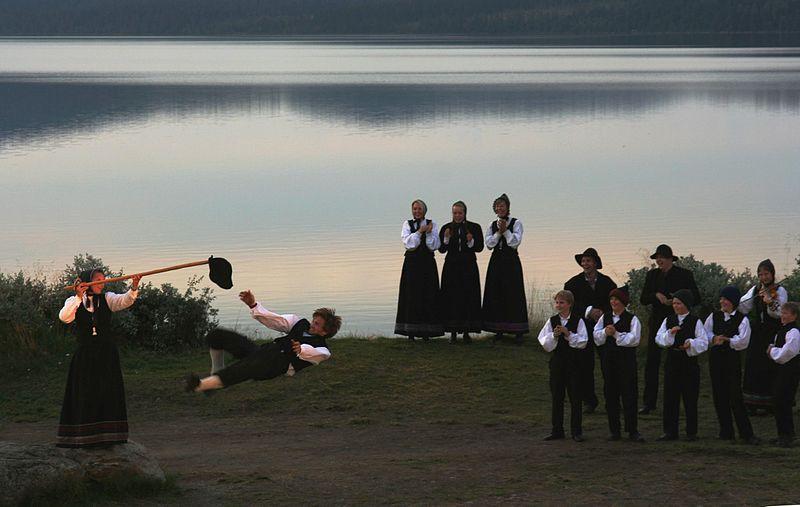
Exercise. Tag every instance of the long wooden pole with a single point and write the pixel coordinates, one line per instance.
(144, 273)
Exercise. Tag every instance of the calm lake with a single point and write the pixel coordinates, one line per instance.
(298, 161)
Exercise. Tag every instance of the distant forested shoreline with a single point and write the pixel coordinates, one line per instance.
(674, 21)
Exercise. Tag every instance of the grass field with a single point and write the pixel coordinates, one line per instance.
(387, 421)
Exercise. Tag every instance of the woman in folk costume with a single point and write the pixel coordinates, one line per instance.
(417, 313)
(460, 297)
(505, 308)
(764, 301)
(94, 413)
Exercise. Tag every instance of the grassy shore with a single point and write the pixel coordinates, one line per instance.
(393, 414)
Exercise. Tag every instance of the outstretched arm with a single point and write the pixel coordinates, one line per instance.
(274, 321)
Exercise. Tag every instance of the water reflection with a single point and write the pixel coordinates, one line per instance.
(43, 111)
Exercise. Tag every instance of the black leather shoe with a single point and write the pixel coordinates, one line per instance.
(614, 437)
(636, 437)
(578, 438)
(190, 382)
(691, 438)
(666, 437)
(645, 410)
(554, 436)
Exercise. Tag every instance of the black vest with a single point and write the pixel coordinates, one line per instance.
(623, 325)
(780, 341)
(98, 320)
(572, 325)
(422, 249)
(687, 328)
(780, 337)
(502, 245)
(297, 333)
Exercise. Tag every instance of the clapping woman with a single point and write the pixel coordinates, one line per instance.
(417, 313)
(94, 413)
(460, 297)
(505, 308)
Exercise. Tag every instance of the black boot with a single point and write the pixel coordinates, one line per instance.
(467, 339)
(452, 337)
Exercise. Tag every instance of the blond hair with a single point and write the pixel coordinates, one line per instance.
(566, 295)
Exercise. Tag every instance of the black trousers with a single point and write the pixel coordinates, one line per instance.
(651, 368)
(564, 378)
(725, 369)
(681, 381)
(255, 362)
(585, 359)
(786, 381)
(620, 381)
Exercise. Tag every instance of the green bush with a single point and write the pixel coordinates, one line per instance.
(163, 318)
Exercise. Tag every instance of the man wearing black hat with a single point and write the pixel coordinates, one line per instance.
(591, 289)
(661, 284)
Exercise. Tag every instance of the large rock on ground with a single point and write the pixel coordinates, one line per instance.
(27, 466)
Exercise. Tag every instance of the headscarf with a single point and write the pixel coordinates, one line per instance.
(768, 265)
(422, 203)
(504, 198)
(462, 206)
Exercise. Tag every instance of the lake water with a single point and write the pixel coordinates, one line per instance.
(298, 161)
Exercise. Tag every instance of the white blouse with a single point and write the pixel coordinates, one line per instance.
(790, 349)
(576, 340)
(739, 341)
(629, 339)
(697, 345)
(116, 302)
(748, 300)
(513, 237)
(411, 240)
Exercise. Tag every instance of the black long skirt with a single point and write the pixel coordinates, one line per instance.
(505, 307)
(417, 309)
(759, 369)
(94, 413)
(460, 297)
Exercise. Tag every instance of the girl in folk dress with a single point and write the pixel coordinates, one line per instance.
(94, 412)
(460, 300)
(417, 313)
(505, 308)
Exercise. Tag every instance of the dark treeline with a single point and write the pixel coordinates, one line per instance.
(387, 17)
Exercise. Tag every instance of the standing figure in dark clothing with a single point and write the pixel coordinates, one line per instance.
(94, 412)
(784, 351)
(505, 307)
(619, 331)
(591, 289)
(763, 302)
(303, 345)
(417, 312)
(660, 285)
(684, 337)
(729, 332)
(460, 297)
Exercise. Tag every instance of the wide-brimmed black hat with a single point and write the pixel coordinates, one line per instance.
(220, 272)
(589, 252)
(664, 251)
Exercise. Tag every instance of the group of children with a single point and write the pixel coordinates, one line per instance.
(684, 336)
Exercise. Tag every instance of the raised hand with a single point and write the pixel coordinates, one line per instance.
(135, 282)
(296, 348)
(247, 298)
(80, 288)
